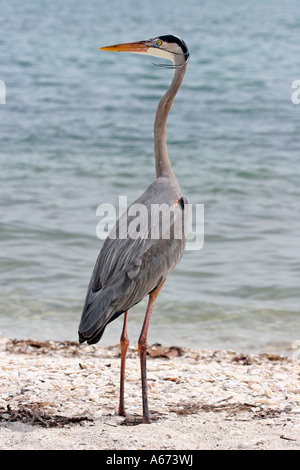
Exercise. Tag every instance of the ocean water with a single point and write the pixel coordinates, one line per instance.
(77, 131)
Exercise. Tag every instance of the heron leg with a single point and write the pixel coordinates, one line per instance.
(124, 341)
(142, 346)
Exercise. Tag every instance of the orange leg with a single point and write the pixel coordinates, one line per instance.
(142, 345)
(124, 345)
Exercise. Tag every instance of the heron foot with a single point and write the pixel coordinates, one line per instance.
(133, 420)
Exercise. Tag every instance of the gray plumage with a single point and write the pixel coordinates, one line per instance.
(128, 269)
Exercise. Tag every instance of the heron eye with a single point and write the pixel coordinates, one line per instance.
(158, 43)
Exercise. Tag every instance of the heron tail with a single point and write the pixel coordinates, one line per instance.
(100, 308)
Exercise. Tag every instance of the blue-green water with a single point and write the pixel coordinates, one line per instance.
(77, 131)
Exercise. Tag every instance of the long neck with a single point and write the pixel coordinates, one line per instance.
(162, 162)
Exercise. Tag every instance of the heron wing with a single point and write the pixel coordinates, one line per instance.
(127, 269)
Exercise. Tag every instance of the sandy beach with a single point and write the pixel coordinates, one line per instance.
(61, 395)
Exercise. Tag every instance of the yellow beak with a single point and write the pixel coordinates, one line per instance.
(137, 47)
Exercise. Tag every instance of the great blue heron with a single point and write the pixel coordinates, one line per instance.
(128, 269)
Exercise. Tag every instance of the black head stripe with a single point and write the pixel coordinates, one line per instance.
(170, 38)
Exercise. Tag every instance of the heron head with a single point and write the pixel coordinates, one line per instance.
(169, 47)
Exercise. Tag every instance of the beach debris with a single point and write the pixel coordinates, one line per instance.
(157, 350)
(244, 359)
(29, 346)
(32, 414)
(273, 357)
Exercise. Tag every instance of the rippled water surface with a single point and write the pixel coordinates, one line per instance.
(77, 131)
